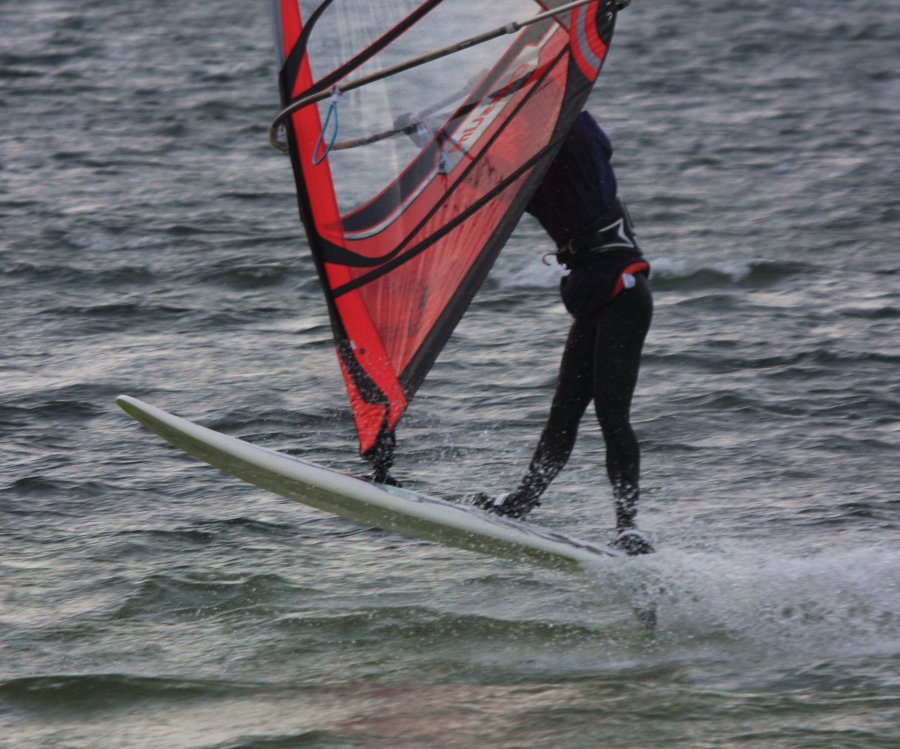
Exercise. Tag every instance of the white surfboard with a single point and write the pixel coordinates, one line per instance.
(389, 508)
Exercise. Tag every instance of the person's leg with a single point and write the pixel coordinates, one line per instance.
(574, 389)
(621, 329)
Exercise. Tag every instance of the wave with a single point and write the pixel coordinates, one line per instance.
(793, 364)
(242, 274)
(75, 402)
(430, 627)
(133, 314)
(105, 690)
(671, 273)
(313, 739)
(165, 598)
(117, 275)
(44, 486)
(666, 273)
(876, 311)
(118, 313)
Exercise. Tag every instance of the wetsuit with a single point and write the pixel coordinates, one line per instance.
(606, 292)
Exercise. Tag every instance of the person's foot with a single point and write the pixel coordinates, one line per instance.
(510, 505)
(384, 477)
(633, 542)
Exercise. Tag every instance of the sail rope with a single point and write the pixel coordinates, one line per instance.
(332, 115)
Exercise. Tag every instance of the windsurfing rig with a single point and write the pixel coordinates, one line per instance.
(409, 195)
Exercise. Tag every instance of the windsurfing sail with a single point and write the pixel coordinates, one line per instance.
(410, 184)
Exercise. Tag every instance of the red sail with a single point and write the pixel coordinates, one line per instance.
(417, 181)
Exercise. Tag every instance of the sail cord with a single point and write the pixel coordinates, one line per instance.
(332, 113)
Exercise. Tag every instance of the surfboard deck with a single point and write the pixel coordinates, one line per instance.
(394, 509)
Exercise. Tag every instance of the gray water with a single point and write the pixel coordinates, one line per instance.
(150, 245)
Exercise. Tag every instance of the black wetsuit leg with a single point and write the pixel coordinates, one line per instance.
(574, 391)
(621, 329)
(600, 362)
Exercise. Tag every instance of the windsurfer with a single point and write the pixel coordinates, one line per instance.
(607, 294)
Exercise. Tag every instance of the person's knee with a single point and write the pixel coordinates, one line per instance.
(616, 428)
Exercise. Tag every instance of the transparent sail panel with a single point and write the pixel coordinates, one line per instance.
(369, 151)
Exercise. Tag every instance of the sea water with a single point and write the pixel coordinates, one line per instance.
(150, 245)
